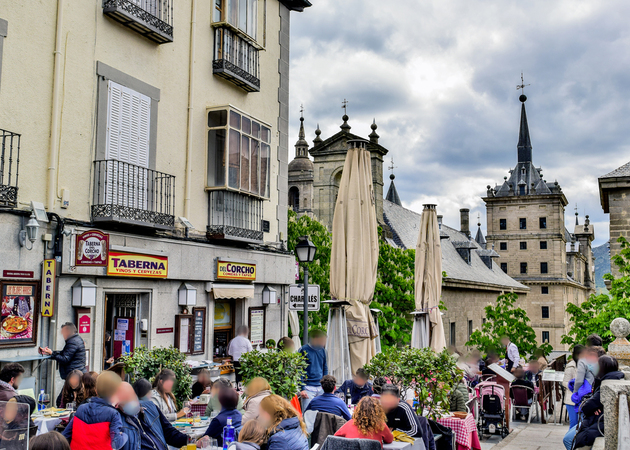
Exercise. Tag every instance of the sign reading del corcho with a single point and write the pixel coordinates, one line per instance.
(231, 270)
(137, 265)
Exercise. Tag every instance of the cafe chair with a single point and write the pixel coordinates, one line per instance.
(520, 396)
(325, 425)
(339, 443)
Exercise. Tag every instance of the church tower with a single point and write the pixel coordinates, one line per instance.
(301, 176)
(526, 227)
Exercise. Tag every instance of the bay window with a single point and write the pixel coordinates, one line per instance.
(241, 14)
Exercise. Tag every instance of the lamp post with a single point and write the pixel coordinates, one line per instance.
(305, 251)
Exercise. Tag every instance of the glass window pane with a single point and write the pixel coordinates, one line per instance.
(254, 164)
(235, 120)
(216, 158)
(218, 7)
(233, 171)
(266, 134)
(242, 15)
(265, 159)
(256, 129)
(246, 125)
(232, 12)
(245, 163)
(217, 118)
(252, 17)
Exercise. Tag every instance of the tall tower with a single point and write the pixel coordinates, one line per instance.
(301, 176)
(526, 226)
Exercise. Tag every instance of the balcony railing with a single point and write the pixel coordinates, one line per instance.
(150, 18)
(234, 216)
(236, 59)
(9, 164)
(126, 193)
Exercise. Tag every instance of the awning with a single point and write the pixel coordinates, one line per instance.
(226, 290)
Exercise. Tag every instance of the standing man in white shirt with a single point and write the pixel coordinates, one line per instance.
(237, 346)
(512, 358)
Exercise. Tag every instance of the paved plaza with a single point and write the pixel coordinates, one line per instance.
(533, 436)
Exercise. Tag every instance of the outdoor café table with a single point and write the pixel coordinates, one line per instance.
(46, 423)
(198, 430)
(465, 431)
(417, 445)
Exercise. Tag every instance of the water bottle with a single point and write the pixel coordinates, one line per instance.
(228, 434)
(40, 401)
(348, 397)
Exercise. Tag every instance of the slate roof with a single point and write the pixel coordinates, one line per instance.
(623, 171)
(405, 224)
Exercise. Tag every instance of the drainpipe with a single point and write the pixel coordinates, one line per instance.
(191, 90)
(56, 112)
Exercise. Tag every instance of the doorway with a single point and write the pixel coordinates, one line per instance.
(123, 314)
(223, 328)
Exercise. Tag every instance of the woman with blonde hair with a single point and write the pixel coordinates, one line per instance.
(257, 389)
(251, 437)
(285, 429)
(368, 422)
(162, 395)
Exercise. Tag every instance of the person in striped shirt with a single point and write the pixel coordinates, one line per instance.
(400, 416)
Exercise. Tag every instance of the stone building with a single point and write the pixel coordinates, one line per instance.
(151, 143)
(322, 183)
(525, 223)
(614, 195)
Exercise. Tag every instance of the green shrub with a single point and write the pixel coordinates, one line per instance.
(284, 371)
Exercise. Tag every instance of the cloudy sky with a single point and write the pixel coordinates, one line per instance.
(440, 78)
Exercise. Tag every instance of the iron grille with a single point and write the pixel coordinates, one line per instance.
(151, 18)
(128, 193)
(234, 216)
(9, 165)
(236, 59)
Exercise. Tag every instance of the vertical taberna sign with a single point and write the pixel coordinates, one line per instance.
(49, 274)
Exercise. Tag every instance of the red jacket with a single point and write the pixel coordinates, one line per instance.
(350, 430)
(92, 436)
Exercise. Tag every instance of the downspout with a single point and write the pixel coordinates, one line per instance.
(56, 111)
(191, 90)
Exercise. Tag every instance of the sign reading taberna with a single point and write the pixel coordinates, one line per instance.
(49, 274)
(230, 270)
(124, 264)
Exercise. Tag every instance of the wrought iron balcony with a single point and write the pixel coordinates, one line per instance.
(234, 216)
(236, 59)
(9, 164)
(126, 193)
(151, 18)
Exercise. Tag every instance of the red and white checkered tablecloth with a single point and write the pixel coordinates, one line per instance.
(198, 407)
(465, 431)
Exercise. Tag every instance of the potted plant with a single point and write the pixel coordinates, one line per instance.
(284, 371)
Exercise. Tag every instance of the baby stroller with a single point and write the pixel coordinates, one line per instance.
(491, 409)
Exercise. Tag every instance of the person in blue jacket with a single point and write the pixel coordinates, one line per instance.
(315, 354)
(358, 387)
(228, 398)
(329, 402)
(144, 424)
(285, 429)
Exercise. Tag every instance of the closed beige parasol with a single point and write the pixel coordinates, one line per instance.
(354, 255)
(428, 288)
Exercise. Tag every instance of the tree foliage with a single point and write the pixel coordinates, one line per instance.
(432, 376)
(596, 313)
(505, 319)
(284, 371)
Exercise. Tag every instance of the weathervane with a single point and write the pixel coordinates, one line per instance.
(302, 110)
(344, 106)
(522, 86)
(392, 166)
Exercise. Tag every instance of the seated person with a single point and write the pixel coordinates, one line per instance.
(492, 358)
(213, 404)
(228, 398)
(519, 373)
(459, 397)
(533, 373)
(358, 387)
(368, 422)
(329, 402)
(251, 437)
(400, 416)
(203, 384)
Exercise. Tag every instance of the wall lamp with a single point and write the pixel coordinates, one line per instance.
(29, 234)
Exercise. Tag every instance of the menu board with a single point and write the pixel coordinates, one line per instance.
(183, 334)
(257, 326)
(199, 330)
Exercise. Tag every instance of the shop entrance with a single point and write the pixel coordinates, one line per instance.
(123, 314)
(223, 328)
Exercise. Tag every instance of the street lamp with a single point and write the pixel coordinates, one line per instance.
(305, 250)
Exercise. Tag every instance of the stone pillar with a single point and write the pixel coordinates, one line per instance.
(620, 347)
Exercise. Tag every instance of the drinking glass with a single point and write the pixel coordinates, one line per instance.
(71, 406)
(187, 408)
(205, 443)
(196, 417)
(192, 442)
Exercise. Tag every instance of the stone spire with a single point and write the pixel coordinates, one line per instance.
(392, 193)
(301, 146)
(479, 237)
(344, 126)
(373, 136)
(524, 142)
(318, 140)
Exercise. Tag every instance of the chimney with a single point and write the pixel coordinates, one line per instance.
(439, 218)
(464, 215)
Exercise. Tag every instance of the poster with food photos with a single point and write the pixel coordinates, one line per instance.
(19, 312)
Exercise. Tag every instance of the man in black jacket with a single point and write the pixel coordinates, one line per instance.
(400, 416)
(73, 354)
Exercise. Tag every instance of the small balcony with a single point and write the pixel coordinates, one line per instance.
(151, 18)
(128, 194)
(234, 216)
(9, 164)
(236, 59)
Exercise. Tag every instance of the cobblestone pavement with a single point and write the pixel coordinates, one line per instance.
(532, 436)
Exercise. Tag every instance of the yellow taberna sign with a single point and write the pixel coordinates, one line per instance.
(228, 270)
(137, 265)
(49, 273)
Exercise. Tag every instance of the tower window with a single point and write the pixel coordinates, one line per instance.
(545, 312)
(521, 190)
(523, 267)
(544, 267)
(522, 222)
(542, 222)
(503, 224)
(545, 336)
(503, 246)
(523, 245)
(470, 328)
(504, 267)
(544, 289)
(543, 245)
(453, 334)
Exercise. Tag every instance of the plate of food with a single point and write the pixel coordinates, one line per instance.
(14, 325)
